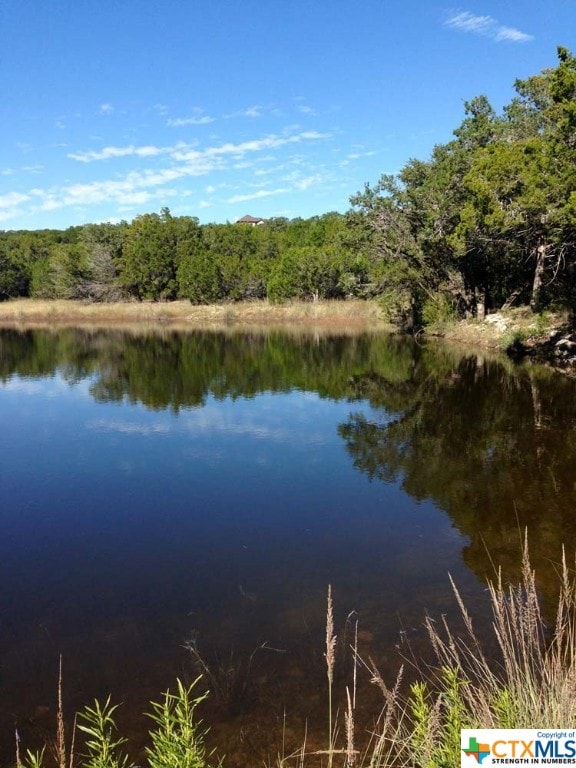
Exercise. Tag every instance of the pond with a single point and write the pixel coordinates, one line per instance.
(172, 504)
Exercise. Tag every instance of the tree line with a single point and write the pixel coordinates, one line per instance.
(487, 221)
(160, 257)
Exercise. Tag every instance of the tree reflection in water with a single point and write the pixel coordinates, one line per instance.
(493, 445)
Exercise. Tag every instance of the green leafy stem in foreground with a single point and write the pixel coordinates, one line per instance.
(177, 739)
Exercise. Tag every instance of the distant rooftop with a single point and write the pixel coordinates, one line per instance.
(252, 220)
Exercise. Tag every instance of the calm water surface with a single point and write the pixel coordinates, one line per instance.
(166, 492)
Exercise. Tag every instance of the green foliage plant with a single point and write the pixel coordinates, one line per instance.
(31, 759)
(13, 279)
(515, 338)
(396, 306)
(147, 267)
(102, 744)
(177, 740)
(435, 722)
(438, 310)
(200, 279)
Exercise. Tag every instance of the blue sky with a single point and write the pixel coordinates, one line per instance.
(218, 108)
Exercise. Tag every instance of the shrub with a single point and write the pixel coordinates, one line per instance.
(438, 310)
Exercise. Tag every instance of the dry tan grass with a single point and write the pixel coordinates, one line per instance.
(522, 674)
(327, 316)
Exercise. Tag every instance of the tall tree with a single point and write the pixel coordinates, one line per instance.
(519, 214)
(490, 218)
(199, 277)
(13, 278)
(103, 243)
(147, 267)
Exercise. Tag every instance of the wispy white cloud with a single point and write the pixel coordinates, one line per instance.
(6, 215)
(140, 186)
(305, 110)
(265, 171)
(468, 22)
(240, 149)
(261, 193)
(22, 386)
(34, 169)
(210, 420)
(358, 155)
(129, 428)
(188, 152)
(514, 35)
(114, 152)
(255, 111)
(294, 181)
(106, 109)
(309, 181)
(132, 199)
(53, 387)
(12, 199)
(464, 21)
(177, 122)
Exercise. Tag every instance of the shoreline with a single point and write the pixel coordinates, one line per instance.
(548, 338)
(326, 316)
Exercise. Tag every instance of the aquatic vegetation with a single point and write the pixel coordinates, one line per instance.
(524, 676)
(177, 738)
(229, 677)
(102, 745)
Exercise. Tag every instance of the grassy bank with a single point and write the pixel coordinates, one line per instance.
(518, 328)
(181, 315)
(526, 680)
(547, 337)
